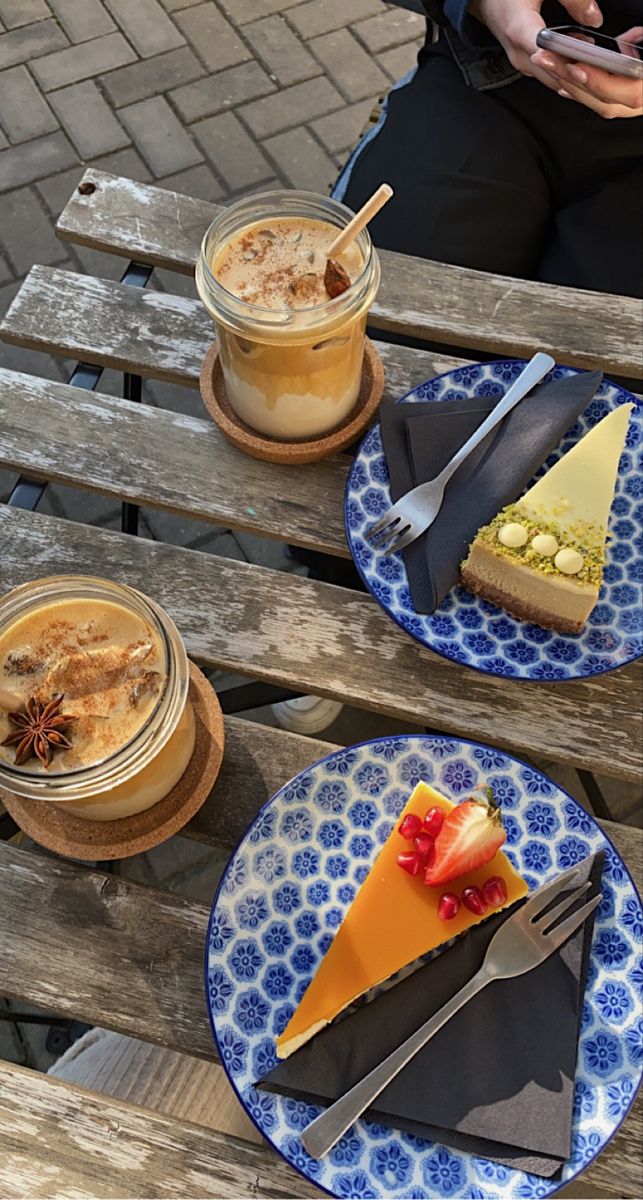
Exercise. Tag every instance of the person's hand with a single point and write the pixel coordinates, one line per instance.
(516, 23)
(607, 94)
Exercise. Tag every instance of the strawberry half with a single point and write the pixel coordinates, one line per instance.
(470, 836)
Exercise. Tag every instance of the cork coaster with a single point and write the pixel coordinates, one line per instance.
(259, 445)
(76, 837)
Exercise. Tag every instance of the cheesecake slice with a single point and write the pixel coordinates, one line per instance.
(392, 921)
(542, 558)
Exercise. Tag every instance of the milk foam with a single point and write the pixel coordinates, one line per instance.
(280, 262)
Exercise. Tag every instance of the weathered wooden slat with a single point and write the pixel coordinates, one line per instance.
(258, 760)
(103, 949)
(62, 1142)
(136, 220)
(166, 460)
(82, 931)
(150, 333)
(512, 318)
(427, 299)
(333, 642)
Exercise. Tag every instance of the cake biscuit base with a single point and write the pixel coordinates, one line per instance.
(522, 612)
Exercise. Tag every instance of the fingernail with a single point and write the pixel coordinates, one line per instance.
(544, 60)
(578, 74)
(593, 15)
(564, 94)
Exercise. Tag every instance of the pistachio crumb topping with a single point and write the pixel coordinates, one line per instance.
(586, 538)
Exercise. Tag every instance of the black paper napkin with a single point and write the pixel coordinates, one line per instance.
(496, 1081)
(419, 439)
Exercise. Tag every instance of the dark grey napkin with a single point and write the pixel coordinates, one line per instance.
(419, 439)
(496, 1081)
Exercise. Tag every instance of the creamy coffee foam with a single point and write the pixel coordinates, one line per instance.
(280, 262)
(109, 663)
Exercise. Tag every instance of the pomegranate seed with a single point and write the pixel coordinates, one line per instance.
(410, 861)
(425, 847)
(474, 900)
(433, 821)
(449, 906)
(495, 891)
(410, 826)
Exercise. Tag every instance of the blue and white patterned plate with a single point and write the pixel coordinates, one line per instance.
(472, 631)
(285, 892)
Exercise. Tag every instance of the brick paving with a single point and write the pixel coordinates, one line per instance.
(187, 84)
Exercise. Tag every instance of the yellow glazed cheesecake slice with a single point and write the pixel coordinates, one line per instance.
(542, 558)
(394, 919)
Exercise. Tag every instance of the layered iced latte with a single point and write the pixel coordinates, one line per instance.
(291, 353)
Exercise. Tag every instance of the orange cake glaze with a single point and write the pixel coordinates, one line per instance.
(392, 921)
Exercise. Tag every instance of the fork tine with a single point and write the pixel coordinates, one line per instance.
(543, 895)
(380, 540)
(377, 540)
(545, 921)
(561, 933)
(389, 541)
(405, 537)
(384, 546)
(385, 522)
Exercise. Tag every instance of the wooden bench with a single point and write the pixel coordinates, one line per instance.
(90, 943)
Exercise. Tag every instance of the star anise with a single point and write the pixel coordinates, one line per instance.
(39, 730)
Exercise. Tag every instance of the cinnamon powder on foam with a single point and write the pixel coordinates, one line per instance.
(110, 682)
(280, 263)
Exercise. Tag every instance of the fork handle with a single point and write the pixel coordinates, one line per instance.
(535, 370)
(322, 1133)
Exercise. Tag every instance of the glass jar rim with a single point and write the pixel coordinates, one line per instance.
(130, 757)
(276, 316)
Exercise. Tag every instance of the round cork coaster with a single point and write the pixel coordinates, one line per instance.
(259, 445)
(76, 837)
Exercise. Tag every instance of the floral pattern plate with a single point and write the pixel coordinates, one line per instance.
(285, 892)
(472, 631)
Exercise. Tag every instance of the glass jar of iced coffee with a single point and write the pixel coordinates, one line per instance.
(291, 354)
(94, 707)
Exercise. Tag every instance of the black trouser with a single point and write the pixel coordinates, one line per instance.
(517, 181)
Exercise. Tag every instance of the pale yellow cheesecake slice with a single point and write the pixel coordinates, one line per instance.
(542, 558)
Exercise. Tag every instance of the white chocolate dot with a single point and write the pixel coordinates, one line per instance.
(513, 535)
(569, 561)
(545, 544)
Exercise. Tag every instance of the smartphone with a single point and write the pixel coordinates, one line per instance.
(595, 49)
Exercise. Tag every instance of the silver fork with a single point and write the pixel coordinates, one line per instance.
(413, 513)
(523, 941)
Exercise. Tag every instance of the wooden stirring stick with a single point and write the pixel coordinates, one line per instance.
(362, 218)
(336, 279)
